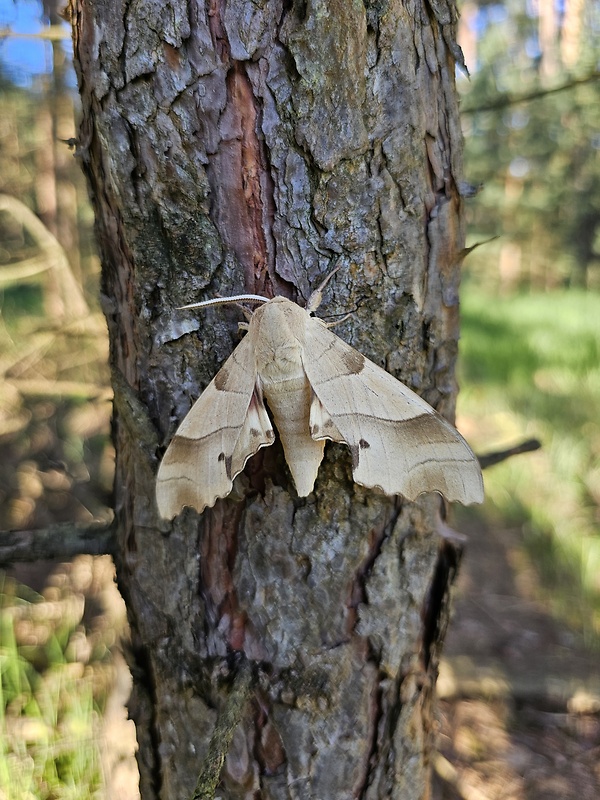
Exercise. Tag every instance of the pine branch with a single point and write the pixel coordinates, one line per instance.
(66, 540)
(56, 542)
(505, 100)
(491, 459)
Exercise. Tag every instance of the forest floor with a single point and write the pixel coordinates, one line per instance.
(519, 697)
(519, 694)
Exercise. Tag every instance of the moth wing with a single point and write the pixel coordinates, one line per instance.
(225, 426)
(397, 441)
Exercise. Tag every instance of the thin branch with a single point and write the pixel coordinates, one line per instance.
(48, 388)
(505, 100)
(466, 251)
(75, 305)
(66, 540)
(220, 740)
(491, 459)
(21, 271)
(54, 33)
(56, 542)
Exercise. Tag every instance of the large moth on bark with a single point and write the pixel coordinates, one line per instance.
(316, 387)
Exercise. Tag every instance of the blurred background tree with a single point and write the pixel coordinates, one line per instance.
(531, 118)
(60, 624)
(37, 124)
(537, 159)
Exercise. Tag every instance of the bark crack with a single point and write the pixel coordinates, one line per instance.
(376, 714)
(243, 189)
(376, 536)
(436, 606)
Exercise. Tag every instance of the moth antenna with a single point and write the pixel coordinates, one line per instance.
(338, 321)
(221, 301)
(316, 298)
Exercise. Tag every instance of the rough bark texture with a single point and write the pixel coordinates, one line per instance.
(253, 146)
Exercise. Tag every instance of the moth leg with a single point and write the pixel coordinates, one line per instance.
(243, 326)
(338, 321)
(316, 298)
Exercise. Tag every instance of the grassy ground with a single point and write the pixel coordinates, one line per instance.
(48, 713)
(530, 367)
(55, 633)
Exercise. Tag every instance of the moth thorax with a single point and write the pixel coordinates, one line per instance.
(278, 351)
(280, 361)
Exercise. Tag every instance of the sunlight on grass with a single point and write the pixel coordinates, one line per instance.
(530, 366)
(48, 719)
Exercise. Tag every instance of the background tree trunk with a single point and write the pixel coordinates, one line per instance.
(254, 146)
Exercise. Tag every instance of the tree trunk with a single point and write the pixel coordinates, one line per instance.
(254, 146)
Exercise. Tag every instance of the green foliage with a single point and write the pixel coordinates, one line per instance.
(17, 302)
(531, 362)
(531, 366)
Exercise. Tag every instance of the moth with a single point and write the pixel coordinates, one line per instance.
(316, 387)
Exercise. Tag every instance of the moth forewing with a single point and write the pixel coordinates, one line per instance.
(225, 426)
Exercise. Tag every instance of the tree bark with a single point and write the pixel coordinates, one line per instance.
(254, 146)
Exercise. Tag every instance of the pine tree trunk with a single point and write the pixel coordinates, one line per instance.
(254, 146)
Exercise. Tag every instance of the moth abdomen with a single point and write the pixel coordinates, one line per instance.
(289, 402)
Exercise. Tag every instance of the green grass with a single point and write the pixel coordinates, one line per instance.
(530, 366)
(48, 717)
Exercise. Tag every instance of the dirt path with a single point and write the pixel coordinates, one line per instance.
(519, 694)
